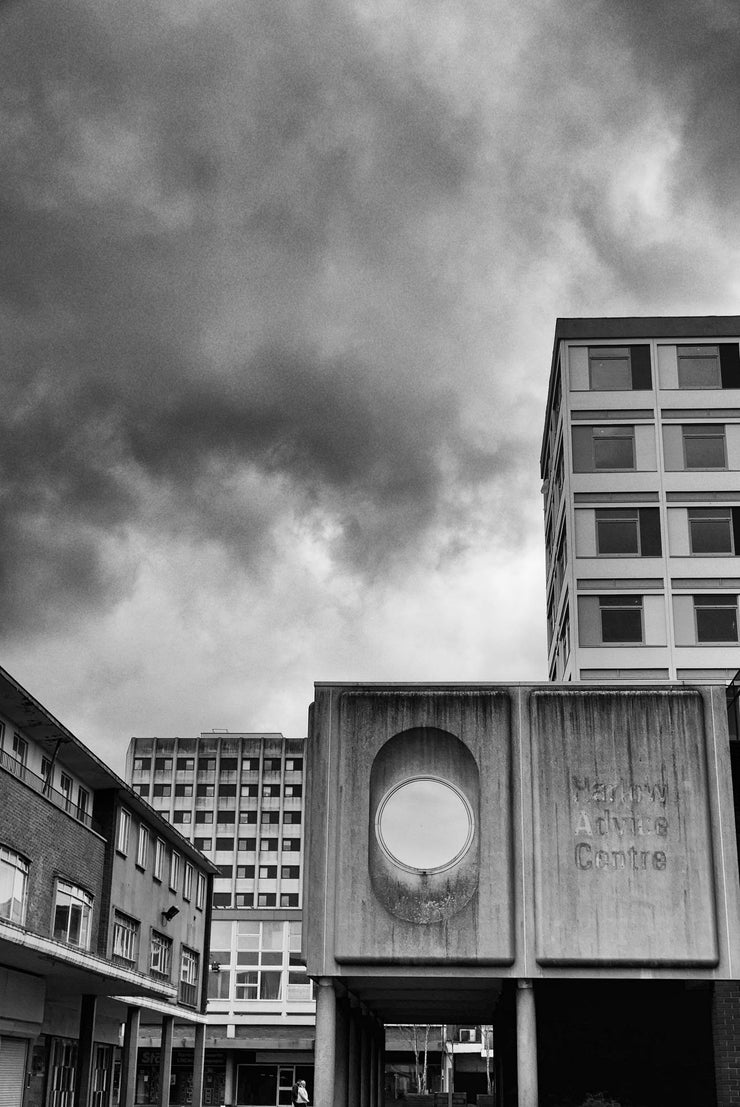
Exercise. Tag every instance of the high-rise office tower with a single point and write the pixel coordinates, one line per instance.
(641, 470)
(239, 799)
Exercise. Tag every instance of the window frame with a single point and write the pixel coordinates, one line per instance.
(160, 951)
(85, 902)
(123, 831)
(621, 604)
(160, 852)
(142, 846)
(200, 891)
(20, 866)
(696, 515)
(175, 866)
(708, 432)
(617, 433)
(715, 602)
(130, 927)
(187, 881)
(683, 358)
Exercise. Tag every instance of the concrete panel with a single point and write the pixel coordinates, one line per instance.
(684, 628)
(678, 532)
(654, 616)
(622, 845)
(672, 447)
(645, 447)
(667, 367)
(732, 434)
(585, 533)
(578, 361)
(477, 925)
(589, 621)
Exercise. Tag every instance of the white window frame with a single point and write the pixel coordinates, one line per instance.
(160, 955)
(159, 856)
(124, 830)
(200, 892)
(78, 897)
(17, 866)
(175, 862)
(142, 846)
(125, 937)
(187, 881)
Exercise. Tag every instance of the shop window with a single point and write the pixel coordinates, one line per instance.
(13, 885)
(72, 914)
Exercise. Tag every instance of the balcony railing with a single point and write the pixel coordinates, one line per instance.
(38, 783)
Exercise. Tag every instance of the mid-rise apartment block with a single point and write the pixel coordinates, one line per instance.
(641, 469)
(238, 797)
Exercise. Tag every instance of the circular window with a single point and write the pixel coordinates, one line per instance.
(424, 824)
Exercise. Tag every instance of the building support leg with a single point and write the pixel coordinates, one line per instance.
(353, 1059)
(341, 1061)
(129, 1057)
(165, 1060)
(364, 1060)
(325, 1051)
(381, 1064)
(199, 1062)
(373, 1065)
(85, 1052)
(526, 1044)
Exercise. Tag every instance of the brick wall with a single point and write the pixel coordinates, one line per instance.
(55, 845)
(726, 1032)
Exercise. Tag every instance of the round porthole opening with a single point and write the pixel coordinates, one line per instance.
(424, 825)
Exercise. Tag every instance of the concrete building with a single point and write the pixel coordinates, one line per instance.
(557, 860)
(641, 469)
(238, 797)
(104, 911)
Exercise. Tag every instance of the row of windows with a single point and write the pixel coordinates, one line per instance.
(265, 872)
(180, 876)
(126, 937)
(208, 764)
(208, 791)
(628, 368)
(689, 447)
(249, 845)
(635, 532)
(704, 619)
(58, 785)
(248, 899)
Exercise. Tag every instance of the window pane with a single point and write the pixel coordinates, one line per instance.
(710, 530)
(613, 448)
(716, 618)
(270, 985)
(609, 368)
(698, 367)
(621, 618)
(272, 935)
(616, 532)
(704, 447)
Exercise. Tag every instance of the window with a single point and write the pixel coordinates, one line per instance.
(290, 872)
(226, 816)
(181, 817)
(259, 959)
(189, 976)
(142, 846)
(163, 764)
(206, 764)
(185, 765)
(47, 771)
(467, 1034)
(72, 914)
(247, 816)
(204, 816)
(183, 790)
(619, 368)
(226, 790)
(83, 801)
(300, 988)
(250, 764)
(698, 367)
(159, 851)
(142, 790)
(704, 446)
(621, 619)
(162, 790)
(292, 817)
(13, 885)
(200, 894)
(291, 845)
(174, 871)
(603, 448)
(272, 765)
(221, 899)
(160, 955)
(20, 749)
(229, 765)
(65, 787)
(247, 844)
(266, 899)
(225, 843)
(270, 791)
(268, 872)
(125, 938)
(293, 764)
(288, 899)
(628, 532)
(716, 618)
(142, 764)
(187, 884)
(294, 790)
(269, 818)
(206, 791)
(203, 843)
(225, 871)
(248, 791)
(124, 828)
(268, 845)
(713, 530)
(245, 872)
(244, 899)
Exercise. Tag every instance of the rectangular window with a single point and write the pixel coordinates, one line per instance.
(290, 872)
(163, 764)
(225, 871)
(124, 829)
(245, 872)
(291, 845)
(225, 843)
(141, 790)
(125, 938)
(72, 914)
(292, 817)
(300, 988)
(205, 791)
(175, 871)
(142, 847)
(268, 872)
(628, 532)
(295, 790)
(83, 802)
(704, 446)
(229, 765)
(20, 749)
(204, 816)
(159, 852)
(269, 818)
(13, 885)
(221, 899)
(248, 791)
(288, 899)
(293, 764)
(47, 771)
(206, 764)
(162, 790)
(187, 883)
(185, 764)
(160, 955)
(621, 619)
(713, 530)
(247, 844)
(226, 791)
(142, 764)
(270, 791)
(619, 368)
(189, 977)
(203, 843)
(266, 899)
(200, 893)
(614, 448)
(181, 816)
(244, 899)
(250, 764)
(698, 367)
(183, 790)
(716, 618)
(268, 845)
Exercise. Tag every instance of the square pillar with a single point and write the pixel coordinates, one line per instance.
(364, 1061)
(325, 1047)
(85, 1049)
(341, 1057)
(199, 1063)
(129, 1056)
(165, 1060)
(526, 1044)
(353, 1056)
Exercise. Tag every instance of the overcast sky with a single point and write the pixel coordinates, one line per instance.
(279, 285)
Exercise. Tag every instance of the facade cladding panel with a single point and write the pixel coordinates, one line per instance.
(641, 470)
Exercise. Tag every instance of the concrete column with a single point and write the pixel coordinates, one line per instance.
(373, 1066)
(165, 1060)
(199, 1063)
(230, 1077)
(129, 1057)
(364, 1100)
(341, 1056)
(85, 1051)
(381, 1064)
(325, 1049)
(353, 1056)
(526, 1044)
